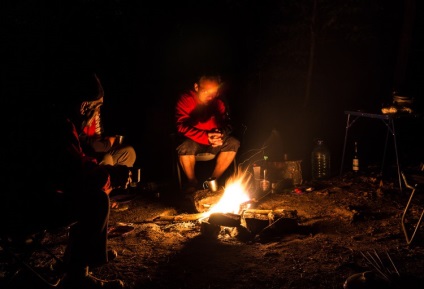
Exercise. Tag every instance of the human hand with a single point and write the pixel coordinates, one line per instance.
(215, 138)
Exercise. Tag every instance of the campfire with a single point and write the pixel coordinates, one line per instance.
(235, 194)
(232, 209)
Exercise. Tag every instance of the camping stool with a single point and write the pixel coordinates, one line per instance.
(201, 157)
(410, 237)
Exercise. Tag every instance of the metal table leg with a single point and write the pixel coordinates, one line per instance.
(410, 237)
(348, 125)
(389, 122)
(391, 128)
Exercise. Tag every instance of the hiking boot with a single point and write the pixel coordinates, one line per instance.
(91, 282)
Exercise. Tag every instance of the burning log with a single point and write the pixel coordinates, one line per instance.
(278, 212)
(179, 218)
(270, 222)
(242, 234)
(209, 230)
(205, 199)
(256, 225)
(227, 219)
(258, 218)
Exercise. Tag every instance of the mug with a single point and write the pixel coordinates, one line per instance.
(211, 184)
(119, 139)
(257, 172)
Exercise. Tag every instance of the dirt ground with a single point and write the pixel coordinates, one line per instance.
(330, 230)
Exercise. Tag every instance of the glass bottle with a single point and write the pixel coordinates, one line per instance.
(355, 160)
(320, 160)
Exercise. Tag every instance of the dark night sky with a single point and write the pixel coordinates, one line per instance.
(146, 53)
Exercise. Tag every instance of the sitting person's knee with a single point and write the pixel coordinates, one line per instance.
(231, 144)
(107, 160)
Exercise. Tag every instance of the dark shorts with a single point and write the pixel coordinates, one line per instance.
(190, 147)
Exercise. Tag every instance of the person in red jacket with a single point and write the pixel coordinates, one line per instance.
(51, 182)
(106, 149)
(203, 121)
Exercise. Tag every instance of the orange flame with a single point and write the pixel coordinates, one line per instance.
(235, 194)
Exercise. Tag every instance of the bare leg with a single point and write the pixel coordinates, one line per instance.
(187, 163)
(223, 161)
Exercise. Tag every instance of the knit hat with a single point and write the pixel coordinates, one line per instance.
(84, 88)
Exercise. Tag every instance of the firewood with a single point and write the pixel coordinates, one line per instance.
(279, 212)
(179, 218)
(255, 225)
(205, 199)
(278, 228)
(258, 211)
(209, 230)
(242, 234)
(227, 219)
